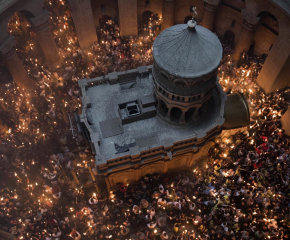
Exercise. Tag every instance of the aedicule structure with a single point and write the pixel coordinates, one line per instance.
(163, 117)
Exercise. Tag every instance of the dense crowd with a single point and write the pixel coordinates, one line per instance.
(243, 193)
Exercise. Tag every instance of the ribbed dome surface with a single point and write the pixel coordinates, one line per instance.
(187, 53)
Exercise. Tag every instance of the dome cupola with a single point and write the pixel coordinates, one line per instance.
(186, 60)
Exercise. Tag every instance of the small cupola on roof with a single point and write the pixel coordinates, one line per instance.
(186, 60)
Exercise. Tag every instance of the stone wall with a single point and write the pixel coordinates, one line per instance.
(182, 9)
(225, 16)
(275, 72)
(81, 12)
(263, 40)
(128, 18)
(111, 9)
(155, 7)
(168, 163)
(196, 157)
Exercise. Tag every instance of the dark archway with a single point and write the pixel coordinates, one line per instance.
(19, 21)
(229, 37)
(145, 16)
(187, 18)
(202, 110)
(175, 114)
(25, 14)
(103, 20)
(189, 114)
(269, 20)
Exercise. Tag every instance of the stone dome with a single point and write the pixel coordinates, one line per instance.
(187, 52)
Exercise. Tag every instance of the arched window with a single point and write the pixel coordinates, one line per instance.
(180, 82)
(189, 115)
(175, 114)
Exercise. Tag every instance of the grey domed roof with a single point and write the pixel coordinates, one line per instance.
(186, 52)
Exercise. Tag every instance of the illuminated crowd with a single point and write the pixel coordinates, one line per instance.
(46, 173)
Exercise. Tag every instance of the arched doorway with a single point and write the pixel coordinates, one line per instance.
(229, 37)
(189, 115)
(103, 20)
(203, 109)
(175, 114)
(187, 18)
(146, 17)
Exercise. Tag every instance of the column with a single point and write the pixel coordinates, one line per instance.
(158, 104)
(276, 71)
(93, 177)
(195, 114)
(167, 116)
(128, 22)
(109, 187)
(40, 25)
(167, 14)
(182, 117)
(10, 59)
(210, 9)
(82, 15)
(250, 25)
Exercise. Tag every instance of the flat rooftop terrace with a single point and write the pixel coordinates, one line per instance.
(106, 125)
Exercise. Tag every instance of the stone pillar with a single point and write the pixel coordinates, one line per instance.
(109, 187)
(167, 14)
(158, 104)
(210, 9)
(40, 25)
(128, 18)
(10, 59)
(195, 114)
(245, 40)
(168, 113)
(82, 15)
(182, 117)
(276, 71)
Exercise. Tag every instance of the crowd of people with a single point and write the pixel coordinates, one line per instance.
(243, 193)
